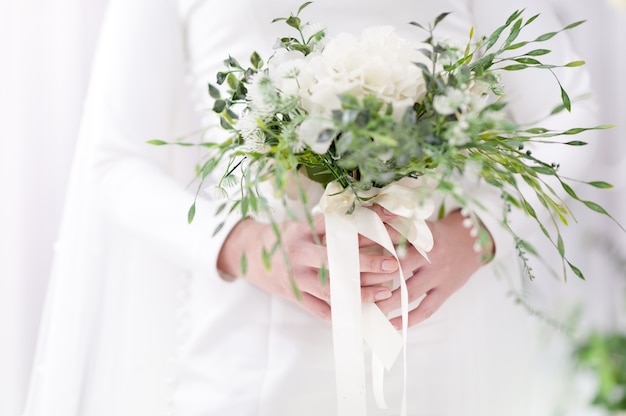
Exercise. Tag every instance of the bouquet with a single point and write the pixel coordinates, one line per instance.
(386, 120)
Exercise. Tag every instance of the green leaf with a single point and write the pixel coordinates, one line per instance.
(575, 130)
(600, 184)
(538, 52)
(576, 271)
(595, 207)
(566, 101)
(191, 213)
(529, 209)
(532, 19)
(513, 16)
(219, 106)
(574, 64)
(256, 61)
(243, 264)
(569, 190)
(515, 30)
(442, 211)
(560, 245)
(267, 259)
(516, 46)
(232, 81)
(305, 4)
(573, 25)
(516, 67)
(218, 229)
(546, 36)
(294, 21)
(536, 130)
(544, 170)
(417, 24)
(225, 124)
(439, 18)
(232, 63)
(221, 77)
(157, 142)
(295, 289)
(214, 92)
(221, 208)
(323, 274)
(493, 38)
(244, 207)
(576, 143)
(528, 61)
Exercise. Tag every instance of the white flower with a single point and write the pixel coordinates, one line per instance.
(316, 132)
(262, 95)
(247, 123)
(253, 137)
(458, 135)
(378, 62)
(255, 142)
(453, 101)
(216, 193)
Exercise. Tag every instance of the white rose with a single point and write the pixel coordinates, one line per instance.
(378, 62)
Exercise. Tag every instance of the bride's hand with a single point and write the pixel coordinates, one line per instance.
(306, 257)
(453, 260)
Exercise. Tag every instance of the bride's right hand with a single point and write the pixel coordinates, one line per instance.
(306, 258)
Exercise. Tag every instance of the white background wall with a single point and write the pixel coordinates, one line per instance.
(45, 54)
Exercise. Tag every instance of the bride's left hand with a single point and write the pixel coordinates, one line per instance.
(453, 260)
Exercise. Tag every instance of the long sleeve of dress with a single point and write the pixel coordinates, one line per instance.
(125, 250)
(139, 93)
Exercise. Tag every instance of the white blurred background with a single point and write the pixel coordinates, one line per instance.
(46, 50)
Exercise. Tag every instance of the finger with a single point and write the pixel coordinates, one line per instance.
(366, 242)
(427, 308)
(384, 214)
(372, 279)
(374, 263)
(371, 294)
(308, 281)
(315, 306)
(319, 225)
(417, 286)
(307, 255)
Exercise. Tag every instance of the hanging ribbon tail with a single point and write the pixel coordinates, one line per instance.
(352, 320)
(345, 288)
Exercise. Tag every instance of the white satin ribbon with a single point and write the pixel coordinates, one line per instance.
(346, 216)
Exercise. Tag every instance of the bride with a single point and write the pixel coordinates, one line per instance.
(147, 315)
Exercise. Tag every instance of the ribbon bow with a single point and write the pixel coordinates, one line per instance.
(346, 216)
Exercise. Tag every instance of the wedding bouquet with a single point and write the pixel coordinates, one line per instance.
(364, 112)
(380, 119)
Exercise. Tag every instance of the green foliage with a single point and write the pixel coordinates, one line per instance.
(605, 356)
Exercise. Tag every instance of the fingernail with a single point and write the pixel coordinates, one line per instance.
(389, 265)
(382, 295)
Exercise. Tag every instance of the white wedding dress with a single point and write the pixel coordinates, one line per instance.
(138, 321)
